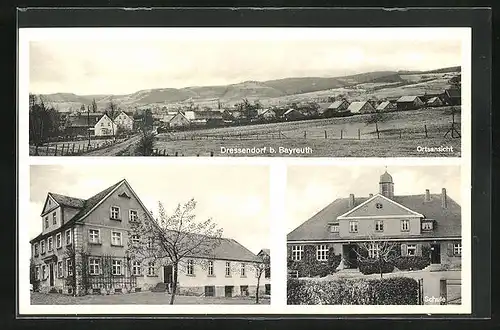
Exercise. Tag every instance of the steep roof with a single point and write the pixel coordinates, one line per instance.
(433, 99)
(448, 220)
(384, 105)
(407, 98)
(63, 200)
(357, 106)
(230, 249)
(453, 93)
(82, 120)
(336, 104)
(207, 114)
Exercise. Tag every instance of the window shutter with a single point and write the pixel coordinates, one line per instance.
(418, 252)
(404, 251)
(450, 250)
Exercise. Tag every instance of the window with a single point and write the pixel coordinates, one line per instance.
(44, 272)
(405, 225)
(115, 213)
(379, 225)
(190, 267)
(322, 252)
(293, 273)
(69, 267)
(150, 242)
(37, 273)
(334, 228)
(58, 241)
(42, 247)
(133, 215)
(210, 268)
(297, 251)
(116, 238)
(35, 247)
(135, 239)
(228, 268)
(353, 226)
(373, 250)
(457, 249)
(60, 272)
(94, 266)
(102, 124)
(427, 225)
(54, 218)
(379, 206)
(46, 222)
(411, 250)
(116, 267)
(49, 244)
(94, 236)
(151, 269)
(243, 270)
(68, 237)
(136, 268)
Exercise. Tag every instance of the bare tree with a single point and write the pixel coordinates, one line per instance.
(379, 252)
(171, 240)
(111, 111)
(262, 267)
(94, 106)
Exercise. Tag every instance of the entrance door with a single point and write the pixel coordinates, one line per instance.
(51, 274)
(167, 274)
(435, 253)
(352, 256)
(228, 291)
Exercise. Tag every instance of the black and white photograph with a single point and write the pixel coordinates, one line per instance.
(294, 92)
(126, 234)
(375, 235)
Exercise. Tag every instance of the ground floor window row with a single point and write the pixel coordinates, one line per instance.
(373, 249)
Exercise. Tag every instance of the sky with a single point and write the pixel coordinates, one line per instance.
(242, 213)
(121, 65)
(311, 188)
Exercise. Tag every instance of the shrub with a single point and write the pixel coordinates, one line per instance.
(145, 145)
(369, 266)
(309, 266)
(411, 263)
(387, 291)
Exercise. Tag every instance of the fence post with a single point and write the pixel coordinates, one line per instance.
(359, 134)
(55, 152)
(326, 135)
(211, 153)
(73, 149)
(443, 292)
(425, 128)
(376, 128)
(47, 152)
(176, 153)
(400, 134)
(305, 134)
(341, 133)
(79, 148)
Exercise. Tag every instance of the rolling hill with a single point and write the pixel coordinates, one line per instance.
(261, 90)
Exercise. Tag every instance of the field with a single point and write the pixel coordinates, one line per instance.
(75, 147)
(399, 134)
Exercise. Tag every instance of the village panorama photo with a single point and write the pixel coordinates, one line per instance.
(285, 92)
(376, 235)
(115, 234)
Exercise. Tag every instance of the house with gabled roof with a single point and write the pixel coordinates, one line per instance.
(386, 106)
(124, 121)
(424, 225)
(336, 108)
(361, 107)
(409, 102)
(99, 227)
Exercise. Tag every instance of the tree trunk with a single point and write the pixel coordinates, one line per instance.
(257, 291)
(174, 284)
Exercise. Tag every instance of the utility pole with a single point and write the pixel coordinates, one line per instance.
(88, 122)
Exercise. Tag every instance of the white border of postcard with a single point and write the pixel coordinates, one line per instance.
(277, 177)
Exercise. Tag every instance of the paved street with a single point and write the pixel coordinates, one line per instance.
(138, 298)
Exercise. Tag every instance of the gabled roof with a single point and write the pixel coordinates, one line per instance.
(63, 200)
(336, 104)
(384, 105)
(291, 110)
(83, 120)
(434, 99)
(448, 220)
(265, 251)
(453, 93)
(408, 98)
(357, 106)
(230, 249)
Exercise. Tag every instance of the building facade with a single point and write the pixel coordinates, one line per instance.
(361, 107)
(124, 121)
(82, 249)
(425, 227)
(409, 103)
(105, 127)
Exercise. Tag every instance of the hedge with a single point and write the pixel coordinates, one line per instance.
(309, 266)
(412, 263)
(368, 267)
(387, 291)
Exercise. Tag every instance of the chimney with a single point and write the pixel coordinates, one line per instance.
(427, 195)
(371, 195)
(443, 198)
(351, 201)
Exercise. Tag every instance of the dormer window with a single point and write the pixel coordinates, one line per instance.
(334, 228)
(427, 225)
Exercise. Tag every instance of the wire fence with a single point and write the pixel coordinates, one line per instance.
(74, 148)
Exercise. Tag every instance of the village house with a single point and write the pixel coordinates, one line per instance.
(268, 114)
(124, 121)
(386, 106)
(175, 120)
(293, 114)
(453, 96)
(336, 108)
(105, 127)
(83, 247)
(204, 117)
(423, 225)
(81, 124)
(361, 107)
(409, 103)
(434, 102)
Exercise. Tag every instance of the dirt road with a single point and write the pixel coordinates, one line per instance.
(116, 149)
